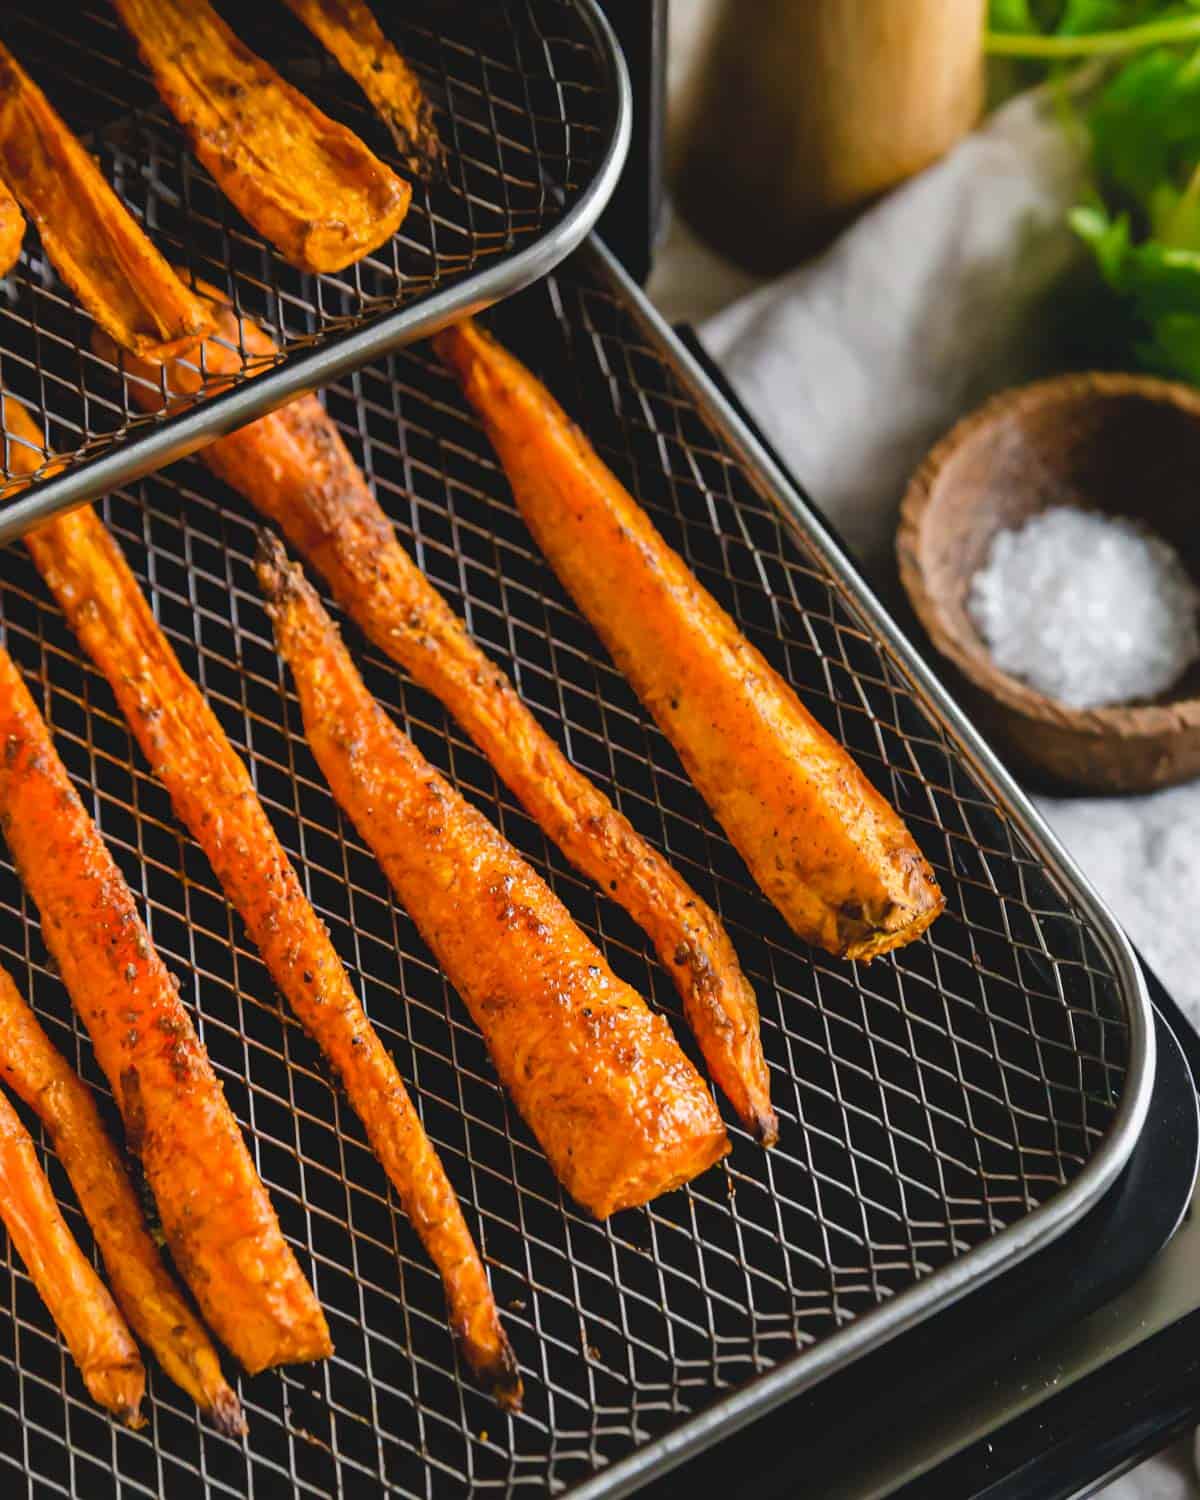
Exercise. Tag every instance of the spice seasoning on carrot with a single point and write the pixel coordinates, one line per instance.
(353, 35)
(306, 182)
(294, 468)
(213, 795)
(86, 1315)
(144, 1289)
(94, 243)
(821, 842)
(215, 1213)
(618, 1109)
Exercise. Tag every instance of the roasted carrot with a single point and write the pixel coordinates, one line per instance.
(79, 1303)
(294, 468)
(215, 1213)
(12, 230)
(818, 838)
(93, 241)
(621, 1114)
(352, 34)
(141, 1284)
(304, 181)
(213, 795)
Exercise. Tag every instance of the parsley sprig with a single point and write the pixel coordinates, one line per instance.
(1141, 217)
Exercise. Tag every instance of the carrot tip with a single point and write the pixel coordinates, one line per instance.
(447, 344)
(765, 1128)
(421, 151)
(509, 1394)
(271, 565)
(504, 1376)
(492, 1361)
(130, 1415)
(227, 1414)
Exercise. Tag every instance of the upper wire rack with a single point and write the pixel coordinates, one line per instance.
(529, 98)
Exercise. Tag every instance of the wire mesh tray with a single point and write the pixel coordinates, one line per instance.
(532, 105)
(944, 1110)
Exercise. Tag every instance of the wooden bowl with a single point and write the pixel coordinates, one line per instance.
(1125, 445)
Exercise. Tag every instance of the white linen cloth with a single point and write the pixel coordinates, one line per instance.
(855, 363)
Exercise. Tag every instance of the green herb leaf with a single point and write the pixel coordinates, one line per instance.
(1174, 350)
(1108, 238)
(1011, 16)
(1159, 287)
(1080, 17)
(1057, 31)
(1142, 220)
(1084, 17)
(1145, 127)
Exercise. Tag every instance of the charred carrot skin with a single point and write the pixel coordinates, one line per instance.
(86, 1315)
(351, 33)
(93, 241)
(145, 1292)
(304, 181)
(215, 1213)
(822, 844)
(294, 468)
(211, 792)
(12, 230)
(619, 1111)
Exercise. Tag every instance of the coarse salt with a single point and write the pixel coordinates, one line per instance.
(1088, 609)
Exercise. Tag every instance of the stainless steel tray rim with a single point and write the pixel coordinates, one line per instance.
(180, 436)
(993, 1257)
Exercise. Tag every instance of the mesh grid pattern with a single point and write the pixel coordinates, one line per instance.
(521, 100)
(926, 1101)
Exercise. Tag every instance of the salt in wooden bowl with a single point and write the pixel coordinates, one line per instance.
(1122, 445)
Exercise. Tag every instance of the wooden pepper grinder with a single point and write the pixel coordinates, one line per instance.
(801, 111)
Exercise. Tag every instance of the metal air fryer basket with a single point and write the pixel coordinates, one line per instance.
(945, 1110)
